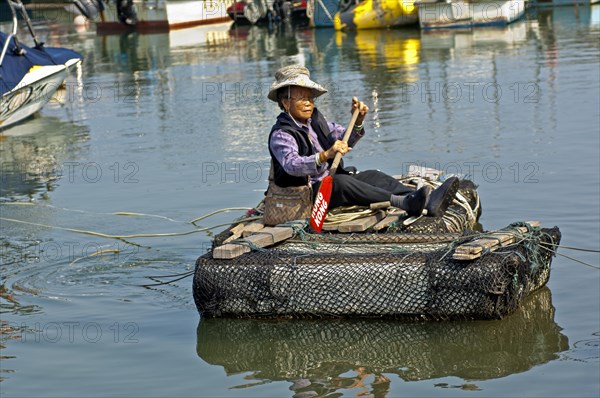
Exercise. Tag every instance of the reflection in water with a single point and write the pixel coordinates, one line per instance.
(193, 46)
(323, 356)
(259, 42)
(33, 154)
(390, 53)
(458, 42)
(155, 70)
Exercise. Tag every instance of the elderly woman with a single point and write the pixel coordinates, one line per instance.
(303, 144)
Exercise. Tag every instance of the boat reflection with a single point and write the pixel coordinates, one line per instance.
(259, 42)
(320, 357)
(132, 52)
(494, 38)
(394, 54)
(33, 155)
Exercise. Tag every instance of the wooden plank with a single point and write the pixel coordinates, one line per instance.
(331, 227)
(269, 236)
(500, 239)
(380, 205)
(252, 227)
(361, 224)
(386, 222)
(230, 250)
(263, 238)
(236, 232)
(461, 256)
(495, 240)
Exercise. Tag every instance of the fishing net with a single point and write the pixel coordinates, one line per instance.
(312, 277)
(403, 271)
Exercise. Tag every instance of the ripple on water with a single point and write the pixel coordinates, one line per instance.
(54, 264)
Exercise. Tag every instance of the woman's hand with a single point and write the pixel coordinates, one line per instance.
(362, 108)
(337, 147)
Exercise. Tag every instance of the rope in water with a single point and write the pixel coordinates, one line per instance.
(338, 218)
(219, 211)
(148, 235)
(575, 248)
(550, 247)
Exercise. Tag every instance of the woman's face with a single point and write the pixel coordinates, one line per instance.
(300, 104)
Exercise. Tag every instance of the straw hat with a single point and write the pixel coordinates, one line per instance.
(294, 75)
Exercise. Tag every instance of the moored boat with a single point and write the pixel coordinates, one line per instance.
(158, 15)
(375, 263)
(261, 12)
(29, 76)
(560, 3)
(467, 14)
(320, 12)
(249, 12)
(375, 14)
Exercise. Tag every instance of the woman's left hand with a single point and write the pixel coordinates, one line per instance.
(362, 108)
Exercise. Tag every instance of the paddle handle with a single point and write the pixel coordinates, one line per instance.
(338, 156)
(321, 204)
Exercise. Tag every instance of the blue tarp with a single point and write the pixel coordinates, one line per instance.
(14, 66)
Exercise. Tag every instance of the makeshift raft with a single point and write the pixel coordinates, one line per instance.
(379, 264)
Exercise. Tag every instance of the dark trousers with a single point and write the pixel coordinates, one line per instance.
(364, 188)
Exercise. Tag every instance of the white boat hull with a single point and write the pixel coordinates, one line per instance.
(461, 14)
(560, 3)
(34, 91)
(164, 15)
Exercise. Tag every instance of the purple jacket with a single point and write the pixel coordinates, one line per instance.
(285, 149)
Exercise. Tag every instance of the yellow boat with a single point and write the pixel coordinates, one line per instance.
(374, 14)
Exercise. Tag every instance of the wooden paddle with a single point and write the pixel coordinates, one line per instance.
(324, 195)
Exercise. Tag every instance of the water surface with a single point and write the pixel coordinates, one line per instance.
(174, 126)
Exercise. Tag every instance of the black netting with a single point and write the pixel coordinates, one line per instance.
(373, 275)
(404, 270)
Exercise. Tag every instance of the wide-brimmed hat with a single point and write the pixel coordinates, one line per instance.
(294, 75)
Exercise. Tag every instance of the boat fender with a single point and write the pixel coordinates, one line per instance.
(89, 8)
(126, 12)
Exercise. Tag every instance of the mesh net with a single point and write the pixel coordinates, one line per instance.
(403, 271)
(308, 278)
